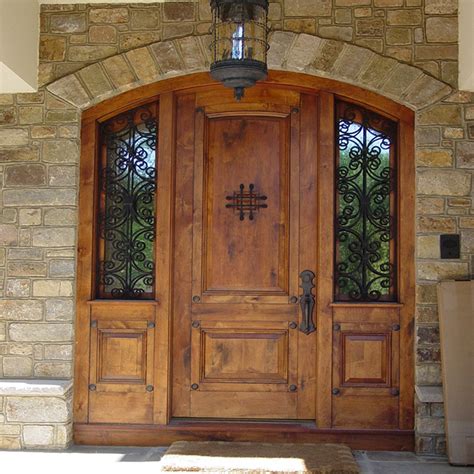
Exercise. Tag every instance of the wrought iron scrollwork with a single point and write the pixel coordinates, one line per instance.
(127, 209)
(365, 214)
(246, 201)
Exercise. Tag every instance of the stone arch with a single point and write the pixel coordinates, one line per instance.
(292, 52)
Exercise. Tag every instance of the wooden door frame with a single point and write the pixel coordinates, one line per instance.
(165, 430)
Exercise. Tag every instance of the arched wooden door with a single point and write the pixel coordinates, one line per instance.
(245, 261)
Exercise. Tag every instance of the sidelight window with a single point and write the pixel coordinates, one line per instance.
(365, 205)
(126, 208)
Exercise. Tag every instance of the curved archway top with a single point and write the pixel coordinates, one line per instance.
(292, 52)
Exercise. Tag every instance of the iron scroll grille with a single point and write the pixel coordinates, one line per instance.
(365, 206)
(127, 205)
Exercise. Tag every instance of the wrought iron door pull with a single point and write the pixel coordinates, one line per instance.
(307, 302)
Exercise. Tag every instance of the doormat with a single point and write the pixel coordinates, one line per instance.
(220, 456)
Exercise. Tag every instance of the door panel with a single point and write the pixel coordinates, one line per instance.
(121, 369)
(245, 264)
(366, 368)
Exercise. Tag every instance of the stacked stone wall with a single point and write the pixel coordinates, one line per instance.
(404, 49)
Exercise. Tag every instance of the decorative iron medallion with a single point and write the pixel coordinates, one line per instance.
(127, 205)
(243, 202)
(365, 209)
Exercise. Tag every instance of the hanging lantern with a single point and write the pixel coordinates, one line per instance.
(240, 43)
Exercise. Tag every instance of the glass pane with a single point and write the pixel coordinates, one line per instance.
(127, 205)
(365, 206)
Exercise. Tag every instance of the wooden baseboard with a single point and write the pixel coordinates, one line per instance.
(163, 435)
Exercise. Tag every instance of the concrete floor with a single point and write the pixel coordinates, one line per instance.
(79, 457)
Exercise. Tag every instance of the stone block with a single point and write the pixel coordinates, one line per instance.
(68, 131)
(362, 12)
(52, 288)
(343, 15)
(400, 80)
(425, 135)
(8, 116)
(167, 57)
(53, 369)
(37, 410)
(13, 137)
(442, 114)
(428, 246)
(426, 294)
(449, 72)
(398, 36)
(408, 17)
(441, 7)
(10, 442)
(302, 51)
(428, 354)
(342, 33)
(274, 11)
(19, 154)
(17, 287)
(68, 23)
(58, 351)
(143, 64)
(326, 56)
(426, 314)
(388, 3)
(453, 133)
(95, 80)
(61, 116)
(17, 367)
(43, 131)
(191, 54)
(59, 310)
(466, 222)
(108, 15)
(436, 224)
(429, 425)
(465, 154)
(71, 90)
(280, 43)
(148, 19)
(352, 61)
(352, 3)
(20, 349)
(25, 175)
(442, 30)
(26, 269)
(427, 335)
(428, 374)
(60, 216)
(137, 39)
(119, 71)
(434, 158)
(424, 444)
(438, 271)
(444, 182)
(62, 176)
(378, 71)
(370, 27)
(102, 34)
(39, 197)
(423, 52)
(426, 90)
(25, 253)
(40, 332)
(88, 53)
(38, 435)
(178, 11)
(8, 234)
(30, 217)
(467, 241)
(53, 237)
(52, 48)
(61, 268)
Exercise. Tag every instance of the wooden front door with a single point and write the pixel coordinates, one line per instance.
(246, 261)
(244, 235)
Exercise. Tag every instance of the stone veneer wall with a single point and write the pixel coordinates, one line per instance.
(39, 153)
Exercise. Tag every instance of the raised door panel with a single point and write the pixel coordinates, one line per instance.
(121, 371)
(366, 373)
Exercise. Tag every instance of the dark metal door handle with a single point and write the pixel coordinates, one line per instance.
(307, 302)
